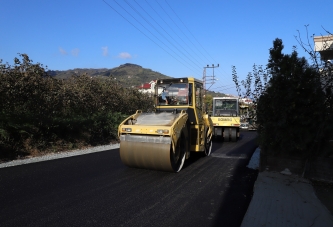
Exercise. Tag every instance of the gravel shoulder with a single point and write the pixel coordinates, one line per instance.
(58, 155)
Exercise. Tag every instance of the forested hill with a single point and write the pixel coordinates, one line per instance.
(127, 74)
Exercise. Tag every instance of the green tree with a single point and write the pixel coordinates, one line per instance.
(291, 108)
(255, 85)
(38, 112)
(324, 68)
(208, 99)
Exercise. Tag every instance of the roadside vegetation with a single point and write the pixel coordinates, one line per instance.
(39, 113)
(293, 102)
(293, 105)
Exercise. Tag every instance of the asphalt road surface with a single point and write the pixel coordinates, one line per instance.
(98, 190)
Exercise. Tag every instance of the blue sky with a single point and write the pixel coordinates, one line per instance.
(175, 37)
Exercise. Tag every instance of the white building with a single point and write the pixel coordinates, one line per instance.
(324, 45)
(148, 87)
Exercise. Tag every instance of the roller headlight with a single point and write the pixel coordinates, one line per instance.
(162, 131)
(126, 130)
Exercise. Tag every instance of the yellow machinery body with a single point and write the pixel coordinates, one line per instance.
(164, 138)
(226, 118)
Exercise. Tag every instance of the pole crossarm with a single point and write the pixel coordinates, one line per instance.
(204, 77)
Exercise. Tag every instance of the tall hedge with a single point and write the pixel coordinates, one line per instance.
(293, 104)
(291, 111)
(38, 112)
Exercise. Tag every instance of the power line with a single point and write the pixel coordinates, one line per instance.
(164, 29)
(194, 38)
(191, 34)
(204, 77)
(140, 30)
(224, 86)
(158, 32)
(172, 47)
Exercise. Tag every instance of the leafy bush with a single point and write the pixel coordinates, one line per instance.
(38, 112)
(293, 108)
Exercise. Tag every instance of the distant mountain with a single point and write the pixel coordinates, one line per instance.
(127, 74)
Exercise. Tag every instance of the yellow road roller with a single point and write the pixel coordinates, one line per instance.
(178, 126)
(225, 118)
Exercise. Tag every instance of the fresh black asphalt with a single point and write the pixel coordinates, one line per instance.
(98, 190)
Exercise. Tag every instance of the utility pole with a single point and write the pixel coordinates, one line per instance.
(208, 81)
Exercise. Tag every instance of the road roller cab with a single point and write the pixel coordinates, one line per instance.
(178, 126)
(226, 118)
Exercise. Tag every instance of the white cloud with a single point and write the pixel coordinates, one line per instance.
(75, 52)
(124, 55)
(62, 51)
(105, 51)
